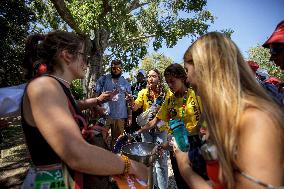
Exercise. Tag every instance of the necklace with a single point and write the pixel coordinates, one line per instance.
(173, 111)
(60, 79)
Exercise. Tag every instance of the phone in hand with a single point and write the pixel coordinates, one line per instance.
(114, 95)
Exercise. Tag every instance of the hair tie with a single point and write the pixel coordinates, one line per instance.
(40, 69)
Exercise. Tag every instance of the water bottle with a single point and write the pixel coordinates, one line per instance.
(159, 100)
(107, 109)
(153, 111)
(155, 106)
(180, 134)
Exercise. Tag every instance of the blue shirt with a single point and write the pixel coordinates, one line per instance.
(118, 107)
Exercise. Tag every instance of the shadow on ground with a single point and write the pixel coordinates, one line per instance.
(14, 155)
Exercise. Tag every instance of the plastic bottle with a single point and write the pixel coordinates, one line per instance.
(107, 109)
(155, 106)
(159, 100)
(180, 134)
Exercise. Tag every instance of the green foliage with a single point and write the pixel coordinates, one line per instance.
(155, 60)
(77, 89)
(227, 32)
(130, 25)
(261, 56)
(46, 16)
(123, 29)
(14, 20)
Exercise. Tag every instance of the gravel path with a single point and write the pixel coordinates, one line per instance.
(13, 161)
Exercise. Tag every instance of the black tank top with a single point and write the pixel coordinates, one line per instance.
(40, 151)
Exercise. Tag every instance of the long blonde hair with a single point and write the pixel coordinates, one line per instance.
(227, 87)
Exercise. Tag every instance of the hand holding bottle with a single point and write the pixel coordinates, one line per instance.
(180, 134)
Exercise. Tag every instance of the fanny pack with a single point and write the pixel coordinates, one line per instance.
(51, 177)
(45, 177)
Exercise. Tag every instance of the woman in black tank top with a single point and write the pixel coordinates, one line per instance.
(52, 120)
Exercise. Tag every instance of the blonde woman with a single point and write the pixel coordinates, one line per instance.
(246, 141)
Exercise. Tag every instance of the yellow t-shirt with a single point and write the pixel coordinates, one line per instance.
(144, 102)
(192, 110)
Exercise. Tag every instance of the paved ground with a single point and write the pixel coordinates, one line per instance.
(14, 162)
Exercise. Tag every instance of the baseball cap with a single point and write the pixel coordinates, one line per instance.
(142, 72)
(253, 65)
(262, 73)
(277, 36)
(272, 80)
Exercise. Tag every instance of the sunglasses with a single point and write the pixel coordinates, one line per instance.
(116, 68)
(86, 57)
(276, 50)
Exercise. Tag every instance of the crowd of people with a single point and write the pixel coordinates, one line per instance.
(217, 120)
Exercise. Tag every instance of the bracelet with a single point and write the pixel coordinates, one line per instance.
(126, 164)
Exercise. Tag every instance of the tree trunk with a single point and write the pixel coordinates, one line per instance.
(93, 73)
(100, 43)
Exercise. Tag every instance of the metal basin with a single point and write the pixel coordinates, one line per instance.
(139, 151)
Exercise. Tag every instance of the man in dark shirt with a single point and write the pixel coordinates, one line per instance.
(276, 45)
(135, 88)
(140, 84)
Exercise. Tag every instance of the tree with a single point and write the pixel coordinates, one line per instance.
(155, 60)
(123, 28)
(47, 17)
(261, 56)
(14, 20)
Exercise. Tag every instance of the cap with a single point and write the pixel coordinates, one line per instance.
(253, 65)
(262, 73)
(277, 36)
(272, 80)
(142, 72)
